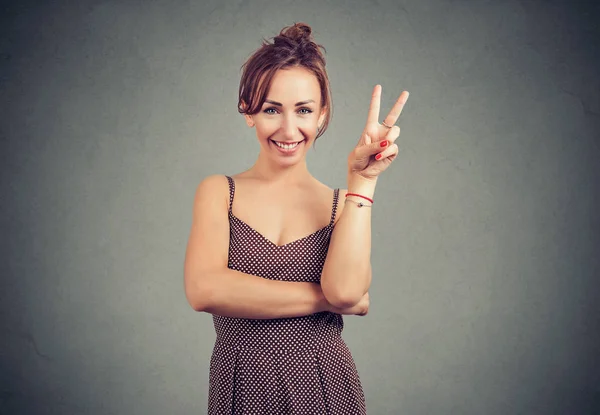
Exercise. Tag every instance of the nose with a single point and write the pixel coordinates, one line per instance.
(289, 127)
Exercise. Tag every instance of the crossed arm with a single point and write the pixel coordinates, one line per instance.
(212, 287)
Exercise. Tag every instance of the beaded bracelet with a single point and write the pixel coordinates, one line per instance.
(359, 204)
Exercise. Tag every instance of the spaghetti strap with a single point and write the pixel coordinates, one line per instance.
(336, 193)
(231, 191)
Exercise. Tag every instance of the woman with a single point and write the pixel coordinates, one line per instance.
(277, 289)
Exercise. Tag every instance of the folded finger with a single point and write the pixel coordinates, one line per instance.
(388, 152)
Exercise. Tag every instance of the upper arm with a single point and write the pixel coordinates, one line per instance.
(208, 242)
(341, 204)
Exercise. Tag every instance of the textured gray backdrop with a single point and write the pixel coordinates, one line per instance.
(486, 228)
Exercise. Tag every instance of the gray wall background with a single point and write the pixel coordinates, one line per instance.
(486, 228)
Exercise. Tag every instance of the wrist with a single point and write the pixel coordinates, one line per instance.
(360, 185)
(322, 303)
(328, 307)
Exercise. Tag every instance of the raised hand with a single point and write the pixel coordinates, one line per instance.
(376, 148)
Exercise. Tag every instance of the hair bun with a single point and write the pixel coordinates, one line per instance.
(297, 32)
(293, 47)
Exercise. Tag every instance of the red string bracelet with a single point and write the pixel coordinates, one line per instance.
(356, 194)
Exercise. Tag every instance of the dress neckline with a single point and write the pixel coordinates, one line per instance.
(273, 243)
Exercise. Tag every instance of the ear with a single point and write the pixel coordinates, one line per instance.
(249, 120)
(322, 117)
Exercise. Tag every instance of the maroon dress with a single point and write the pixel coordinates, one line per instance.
(298, 365)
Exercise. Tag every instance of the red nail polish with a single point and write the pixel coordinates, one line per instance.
(383, 143)
(378, 156)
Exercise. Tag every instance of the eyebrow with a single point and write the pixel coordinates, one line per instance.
(279, 104)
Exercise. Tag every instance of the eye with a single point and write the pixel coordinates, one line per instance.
(308, 110)
(266, 111)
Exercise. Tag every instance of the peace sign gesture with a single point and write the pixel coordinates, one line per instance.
(376, 148)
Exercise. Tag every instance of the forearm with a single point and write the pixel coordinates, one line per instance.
(236, 294)
(346, 274)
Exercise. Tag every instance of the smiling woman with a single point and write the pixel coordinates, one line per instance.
(293, 48)
(290, 125)
(278, 268)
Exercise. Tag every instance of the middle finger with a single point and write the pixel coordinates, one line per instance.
(392, 134)
(396, 110)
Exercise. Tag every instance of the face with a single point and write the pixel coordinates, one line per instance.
(290, 115)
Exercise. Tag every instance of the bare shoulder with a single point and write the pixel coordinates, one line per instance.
(213, 181)
(328, 194)
(215, 187)
(208, 241)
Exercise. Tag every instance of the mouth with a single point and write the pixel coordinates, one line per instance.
(286, 147)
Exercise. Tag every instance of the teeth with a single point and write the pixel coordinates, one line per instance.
(286, 146)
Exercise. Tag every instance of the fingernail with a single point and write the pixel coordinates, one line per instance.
(378, 156)
(383, 143)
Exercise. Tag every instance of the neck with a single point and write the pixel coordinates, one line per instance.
(274, 173)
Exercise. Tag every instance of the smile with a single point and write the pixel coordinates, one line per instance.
(287, 147)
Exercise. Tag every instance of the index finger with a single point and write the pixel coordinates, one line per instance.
(373, 116)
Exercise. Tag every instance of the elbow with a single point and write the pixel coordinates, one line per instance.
(340, 299)
(345, 302)
(345, 293)
(197, 296)
(195, 303)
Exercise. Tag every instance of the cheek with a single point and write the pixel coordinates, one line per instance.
(265, 129)
(309, 126)
(313, 130)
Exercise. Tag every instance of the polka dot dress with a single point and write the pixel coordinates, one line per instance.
(297, 365)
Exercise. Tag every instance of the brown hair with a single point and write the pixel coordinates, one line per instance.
(293, 47)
